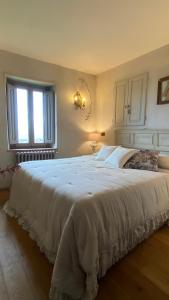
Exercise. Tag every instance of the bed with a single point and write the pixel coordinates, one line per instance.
(85, 216)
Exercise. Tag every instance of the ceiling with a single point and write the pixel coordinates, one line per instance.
(89, 35)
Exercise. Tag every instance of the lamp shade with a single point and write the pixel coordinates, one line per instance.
(94, 136)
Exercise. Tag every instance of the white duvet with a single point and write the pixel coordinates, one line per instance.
(85, 216)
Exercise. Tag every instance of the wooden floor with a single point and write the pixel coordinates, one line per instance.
(25, 273)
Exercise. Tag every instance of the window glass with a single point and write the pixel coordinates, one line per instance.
(38, 117)
(22, 115)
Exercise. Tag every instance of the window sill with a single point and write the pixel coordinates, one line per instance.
(31, 149)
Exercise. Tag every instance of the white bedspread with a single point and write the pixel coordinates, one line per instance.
(85, 216)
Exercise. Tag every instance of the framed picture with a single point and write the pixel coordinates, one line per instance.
(163, 90)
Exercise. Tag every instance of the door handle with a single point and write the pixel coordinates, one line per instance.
(128, 107)
(129, 110)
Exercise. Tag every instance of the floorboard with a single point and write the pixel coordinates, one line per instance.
(25, 273)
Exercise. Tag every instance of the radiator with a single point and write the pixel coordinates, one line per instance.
(29, 155)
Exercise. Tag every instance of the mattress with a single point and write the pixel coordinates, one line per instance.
(85, 216)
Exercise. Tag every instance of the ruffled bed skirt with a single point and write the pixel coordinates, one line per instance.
(33, 235)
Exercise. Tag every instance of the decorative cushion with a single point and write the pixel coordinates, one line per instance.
(144, 160)
(163, 161)
(104, 152)
(120, 156)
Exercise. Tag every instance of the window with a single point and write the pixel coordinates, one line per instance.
(31, 117)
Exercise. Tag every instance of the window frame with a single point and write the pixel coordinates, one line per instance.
(30, 87)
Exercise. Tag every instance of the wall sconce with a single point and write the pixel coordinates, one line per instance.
(79, 101)
(94, 138)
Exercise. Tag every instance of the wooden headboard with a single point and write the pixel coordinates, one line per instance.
(156, 139)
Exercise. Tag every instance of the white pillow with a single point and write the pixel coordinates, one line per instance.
(120, 156)
(104, 152)
(163, 161)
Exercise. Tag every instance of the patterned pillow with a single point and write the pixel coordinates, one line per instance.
(144, 160)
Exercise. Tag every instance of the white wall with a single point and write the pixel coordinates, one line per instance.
(156, 64)
(72, 127)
